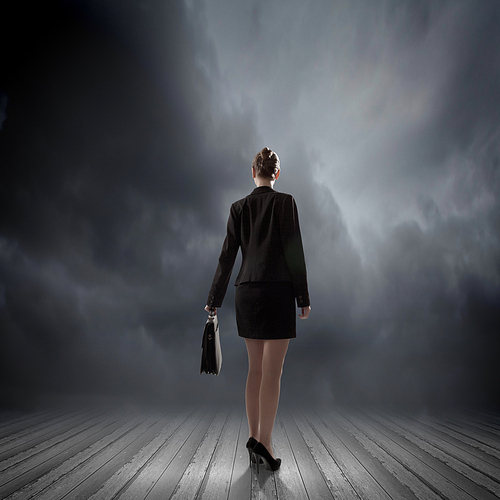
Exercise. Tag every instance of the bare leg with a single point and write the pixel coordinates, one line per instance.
(272, 368)
(265, 365)
(255, 349)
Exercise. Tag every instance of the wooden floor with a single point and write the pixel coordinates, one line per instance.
(200, 453)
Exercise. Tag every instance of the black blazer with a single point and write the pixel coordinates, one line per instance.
(265, 224)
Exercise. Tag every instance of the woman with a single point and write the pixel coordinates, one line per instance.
(272, 277)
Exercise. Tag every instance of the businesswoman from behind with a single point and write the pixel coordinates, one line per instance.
(272, 278)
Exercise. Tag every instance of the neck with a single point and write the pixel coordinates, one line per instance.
(261, 182)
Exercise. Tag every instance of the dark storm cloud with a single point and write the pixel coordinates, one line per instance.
(105, 232)
(393, 109)
(127, 131)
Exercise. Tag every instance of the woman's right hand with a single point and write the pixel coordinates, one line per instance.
(208, 309)
(305, 312)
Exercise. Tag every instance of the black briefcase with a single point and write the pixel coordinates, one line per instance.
(211, 354)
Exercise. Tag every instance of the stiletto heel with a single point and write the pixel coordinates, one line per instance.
(250, 444)
(260, 452)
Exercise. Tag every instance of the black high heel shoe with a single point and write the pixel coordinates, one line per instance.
(250, 444)
(260, 452)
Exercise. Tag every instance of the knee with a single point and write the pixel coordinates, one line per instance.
(255, 372)
(273, 372)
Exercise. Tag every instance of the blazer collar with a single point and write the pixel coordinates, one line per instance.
(262, 190)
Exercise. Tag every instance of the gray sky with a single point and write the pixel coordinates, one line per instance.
(128, 129)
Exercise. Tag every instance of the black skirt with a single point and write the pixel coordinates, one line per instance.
(266, 310)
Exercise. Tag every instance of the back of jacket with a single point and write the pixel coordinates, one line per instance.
(265, 225)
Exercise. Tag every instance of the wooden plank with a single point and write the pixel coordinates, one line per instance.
(8, 442)
(459, 434)
(80, 454)
(389, 483)
(430, 430)
(263, 485)
(365, 485)
(241, 480)
(31, 466)
(484, 437)
(144, 480)
(40, 436)
(159, 477)
(485, 415)
(404, 475)
(84, 482)
(477, 460)
(439, 476)
(26, 423)
(16, 416)
(475, 425)
(485, 418)
(217, 480)
(398, 449)
(200, 453)
(453, 457)
(191, 480)
(312, 477)
(289, 481)
(336, 481)
(125, 475)
(32, 463)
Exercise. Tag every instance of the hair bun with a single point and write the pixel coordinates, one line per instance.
(266, 163)
(266, 153)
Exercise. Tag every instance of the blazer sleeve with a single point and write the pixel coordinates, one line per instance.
(227, 257)
(294, 252)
